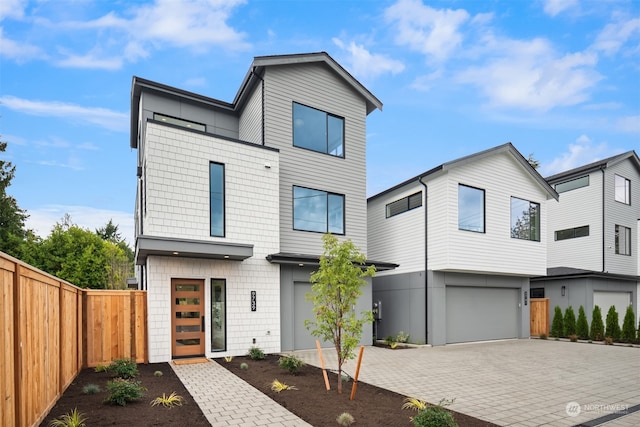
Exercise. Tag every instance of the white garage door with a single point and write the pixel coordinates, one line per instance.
(478, 314)
(303, 310)
(605, 300)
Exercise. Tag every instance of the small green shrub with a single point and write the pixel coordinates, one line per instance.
(123, 368)
(91, 389)
(628, 326)
(123, 391)
(72, 419)
(569, 322)
(158, 374)
(596, 332)
(435, 416)
(613, 324)
(402, 337)
(291, 363)
(244, 366)
(557, 325)
(256, 353)
(101, 368)
(278, 386)
(168, 401)
(389, 340)
(582, 326)
(345, 419)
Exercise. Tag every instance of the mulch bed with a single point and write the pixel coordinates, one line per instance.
(139, 413)
(372, 406)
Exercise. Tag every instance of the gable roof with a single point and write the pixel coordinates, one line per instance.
(600, 164)
(504, 148)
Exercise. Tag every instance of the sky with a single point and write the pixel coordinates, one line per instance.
(560, 79)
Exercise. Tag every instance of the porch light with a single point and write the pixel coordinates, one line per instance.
(563, 289)
(176, 253)
(226, 257)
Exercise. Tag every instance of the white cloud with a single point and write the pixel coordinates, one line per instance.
(433, 32)
(364, 64)
(19, 51)
(616, 34)
(629, 124)
(90, 61)
(554, 7)
(102, 117)
(12, 9)
(42, 219)
(581, 153)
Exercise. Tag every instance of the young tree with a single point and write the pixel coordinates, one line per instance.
(596, 333)
(628, 326)
(613, 324)
(557, 325)
(582, 326)
(569, 322)
(336, 287)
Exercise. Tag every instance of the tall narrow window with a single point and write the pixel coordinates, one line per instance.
(525, 219)
(318, 131)
(315, 210)
(216, 195)
(218, 315)
(623, 240)
(622, 189)
(470, 208)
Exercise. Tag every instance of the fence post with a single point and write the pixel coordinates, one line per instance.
(17, 345)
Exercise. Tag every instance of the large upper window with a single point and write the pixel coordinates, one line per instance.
(405, 204)
(318, 131)
(572, 184)
(470, 208)
(216, 197)
(622, 189)
(179, 122)
(623, 240)
(525, 219)
(315, 210)
(572, 233)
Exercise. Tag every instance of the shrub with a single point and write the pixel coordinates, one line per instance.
(557, 325)
(390, 340)
(244, 366)
(291, 363)
(123, 368)
(402, 337)
(596, 332)
(158, 374)
(122, 391)
(91, 389)
(414, 403)
(569, 322)
(628, 326)
(72, 419)
(278, 386)
(168, 401)
(613, 324)
(345, 419)
(256, 353)
(101, 368)
(434, 416)
(582, 326)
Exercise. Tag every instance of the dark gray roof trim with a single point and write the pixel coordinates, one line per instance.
(559, 273)
(508, 147)
(604, 163)
(314, 260)
(185, 248)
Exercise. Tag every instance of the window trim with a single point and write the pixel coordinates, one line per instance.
(177, 121)
(539, 217)
(327, 115)
(327, 193)
(628, 240)
(484, 209)
(580, 184)
(627, 190)
(387, 208)
(574, 230)
(224, 201)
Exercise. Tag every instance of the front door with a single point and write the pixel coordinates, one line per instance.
(187, 317)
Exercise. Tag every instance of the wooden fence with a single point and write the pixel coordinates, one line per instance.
(50, 330)
(539, 313)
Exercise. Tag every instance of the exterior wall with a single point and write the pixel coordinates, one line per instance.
(400, 238)
(316, 86)
(243, 325)
(251, 118)
(577, 208)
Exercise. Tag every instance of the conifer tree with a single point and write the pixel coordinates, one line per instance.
(557, 325)
(569, 322)
(613, 324)
(596, 333)
(628, 326)
(582, 326)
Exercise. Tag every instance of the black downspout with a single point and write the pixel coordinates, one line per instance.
(603, 222)
(426, 262)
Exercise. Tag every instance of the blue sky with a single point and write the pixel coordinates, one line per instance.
(557, 78)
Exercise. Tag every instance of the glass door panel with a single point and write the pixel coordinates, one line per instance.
(218, 315)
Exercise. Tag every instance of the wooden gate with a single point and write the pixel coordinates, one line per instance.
(539, 313)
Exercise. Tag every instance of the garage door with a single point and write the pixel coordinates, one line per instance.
(605, 300)
(302, 310)
(478, 314)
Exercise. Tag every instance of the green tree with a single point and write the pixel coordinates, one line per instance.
(612, 324)
(596, 333)
(119, 254)
(336, 287)
(533, 162)
(569, 322)
(628, 326)
(12, 218)
(109, 232)
(557, 325)
(582, 326)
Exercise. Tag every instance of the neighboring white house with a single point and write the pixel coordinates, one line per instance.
(594, 256)
(471, 233)
(233, 199)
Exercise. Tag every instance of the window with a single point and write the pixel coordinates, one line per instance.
(537, 292)
(572, 184)
(315, 210)
(623, 240)
(470, 208)
(218, 315)
(622, 189)
(403, 205)
(179, 122)
(318, 131)
(572, 233)
(216, 194)
(525, 219)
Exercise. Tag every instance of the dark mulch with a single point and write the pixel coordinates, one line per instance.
(139, 413)
(372, 406)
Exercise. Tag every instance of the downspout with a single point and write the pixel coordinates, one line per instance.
(426, 262)
(603, 222)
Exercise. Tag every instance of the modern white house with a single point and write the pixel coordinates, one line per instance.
(468, 235)
(233, 199)
(593, 239)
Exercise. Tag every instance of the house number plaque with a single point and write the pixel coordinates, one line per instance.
(253, 300)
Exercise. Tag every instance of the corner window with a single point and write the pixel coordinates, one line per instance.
(403, 205)
(179, 122)
(573, 184)
(216, 198)
(623, 240)
(525, 219)
(572, 233)
(470, 208)
(622, 189)
(315, 210)
(318, 131)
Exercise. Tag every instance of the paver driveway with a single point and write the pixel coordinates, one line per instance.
(510, 383)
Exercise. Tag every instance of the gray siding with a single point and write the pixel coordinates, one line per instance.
(251, 117)
(318, 87)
